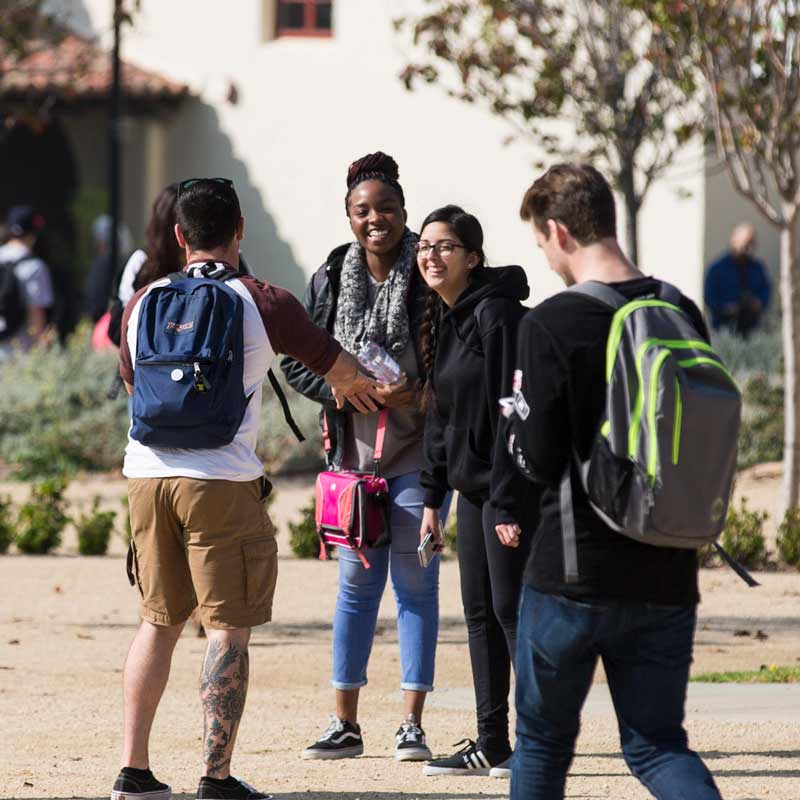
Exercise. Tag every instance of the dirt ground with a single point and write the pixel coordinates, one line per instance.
(66, 622)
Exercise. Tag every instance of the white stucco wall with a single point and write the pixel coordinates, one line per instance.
(308, 107)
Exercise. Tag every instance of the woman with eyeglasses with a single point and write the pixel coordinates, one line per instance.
(468, 346)
(370, 291)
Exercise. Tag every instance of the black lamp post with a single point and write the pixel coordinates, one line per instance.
(114, 140)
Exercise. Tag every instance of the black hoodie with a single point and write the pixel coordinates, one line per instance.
(475, 358)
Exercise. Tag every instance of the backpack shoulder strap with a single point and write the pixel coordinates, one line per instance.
(669, 293)
(602, 292)
(569, 537)
(287, 413)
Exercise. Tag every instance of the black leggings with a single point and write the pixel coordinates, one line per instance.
(491, 581)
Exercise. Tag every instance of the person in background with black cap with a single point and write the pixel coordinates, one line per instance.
(371, 291)
(469, 336)
(22, 327)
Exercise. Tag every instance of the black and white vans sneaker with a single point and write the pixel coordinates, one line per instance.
(228, 789)
(342, 739)
(501, 770)
(139, 784)
(469, 760)
(410, 742)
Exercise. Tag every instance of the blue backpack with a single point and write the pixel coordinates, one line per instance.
(189, 387)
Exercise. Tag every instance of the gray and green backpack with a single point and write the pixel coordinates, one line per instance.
(662, 466)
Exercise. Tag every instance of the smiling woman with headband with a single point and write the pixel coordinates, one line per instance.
(369, 291)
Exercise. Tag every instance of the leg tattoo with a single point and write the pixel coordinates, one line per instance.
(223, 689)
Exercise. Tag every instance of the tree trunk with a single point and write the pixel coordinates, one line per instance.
(632, 205)
(790, 303)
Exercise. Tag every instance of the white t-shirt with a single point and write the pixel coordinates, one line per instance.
(37, 287)
(129, 273)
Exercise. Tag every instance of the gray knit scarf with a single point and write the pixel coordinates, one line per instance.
(386, 323)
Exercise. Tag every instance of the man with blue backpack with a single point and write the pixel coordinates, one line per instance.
(196, 347)
(624, 413)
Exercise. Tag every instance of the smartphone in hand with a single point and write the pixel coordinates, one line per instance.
(427, 550)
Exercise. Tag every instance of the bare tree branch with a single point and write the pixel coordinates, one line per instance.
(583, 61)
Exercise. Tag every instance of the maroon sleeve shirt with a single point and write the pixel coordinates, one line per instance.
(289, 328)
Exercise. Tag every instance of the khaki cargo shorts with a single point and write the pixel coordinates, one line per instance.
(206, 543)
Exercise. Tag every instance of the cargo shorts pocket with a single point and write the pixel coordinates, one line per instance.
(260, 570)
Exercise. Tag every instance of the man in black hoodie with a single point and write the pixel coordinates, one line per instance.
(634, 605)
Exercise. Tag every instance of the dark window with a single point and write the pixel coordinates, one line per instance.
(305, 18)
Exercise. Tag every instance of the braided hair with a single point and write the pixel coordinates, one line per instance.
(374, 167)
(428, 333)
(470, 232)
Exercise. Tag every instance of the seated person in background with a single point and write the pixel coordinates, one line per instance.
(737, 289)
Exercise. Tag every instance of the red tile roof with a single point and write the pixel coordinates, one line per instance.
(76, 69)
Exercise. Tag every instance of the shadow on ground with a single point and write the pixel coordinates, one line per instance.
(312, 795)
(714, 754)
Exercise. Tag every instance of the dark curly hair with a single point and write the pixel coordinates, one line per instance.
(374, 167)
(164, 254)
(470, 232)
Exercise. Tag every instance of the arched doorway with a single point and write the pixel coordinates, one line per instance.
(38, 168)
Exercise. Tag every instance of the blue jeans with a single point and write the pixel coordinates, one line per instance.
(646, 652)
(416, 591)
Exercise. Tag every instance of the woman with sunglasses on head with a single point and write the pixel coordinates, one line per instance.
(469, 343)
(371, 291)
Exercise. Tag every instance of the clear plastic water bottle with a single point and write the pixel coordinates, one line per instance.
(378, 363)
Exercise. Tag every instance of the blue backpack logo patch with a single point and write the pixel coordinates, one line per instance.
(189, 371)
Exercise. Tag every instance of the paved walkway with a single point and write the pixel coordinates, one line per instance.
(728, 702)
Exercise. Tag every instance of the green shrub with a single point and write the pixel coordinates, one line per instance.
(55, 417)
(757, 364)
(6, 525)
(303, 537)
(743, 536)
(789, 537)
(762, 351)
(94, 530)
(277, 446)
(42, 519)
(761, 434)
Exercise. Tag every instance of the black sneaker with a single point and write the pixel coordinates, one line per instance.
(410, 742)
(139, 784)
(229, 789)
(469, 760)
(341, 739)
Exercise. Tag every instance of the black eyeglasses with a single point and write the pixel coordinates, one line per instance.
(442, 249)
(189, 182)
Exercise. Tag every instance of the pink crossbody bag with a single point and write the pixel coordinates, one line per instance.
(352, 508)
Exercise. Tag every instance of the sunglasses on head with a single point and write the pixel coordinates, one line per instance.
(189, 182)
